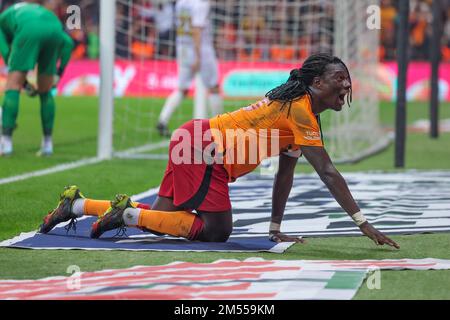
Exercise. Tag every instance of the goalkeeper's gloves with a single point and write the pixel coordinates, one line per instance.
(30, 90)
(56, 79)
(60, 72)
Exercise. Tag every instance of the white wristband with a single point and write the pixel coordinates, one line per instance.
(274, 226)
(359, 218)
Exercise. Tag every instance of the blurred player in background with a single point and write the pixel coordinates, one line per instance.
(29, 35)
(195, 53)
(292, 109)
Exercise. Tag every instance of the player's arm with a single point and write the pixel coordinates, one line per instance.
(320, 160)
(65, 53)
(281, 188)
(4, 46)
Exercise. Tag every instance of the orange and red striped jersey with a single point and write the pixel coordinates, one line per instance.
(264, 129)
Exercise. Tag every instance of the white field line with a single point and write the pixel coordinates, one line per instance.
(145, 194)
(144, 148)
(76, 164)
(55, 169)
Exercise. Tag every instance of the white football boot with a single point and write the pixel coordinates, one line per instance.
(46, 147)
(6, 146)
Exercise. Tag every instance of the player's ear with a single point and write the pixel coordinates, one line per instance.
(317, 82)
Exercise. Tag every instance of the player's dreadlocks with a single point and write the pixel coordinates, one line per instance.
(300, 79)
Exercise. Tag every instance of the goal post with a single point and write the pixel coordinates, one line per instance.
(355, 132)
(107, 59)
(257, 43)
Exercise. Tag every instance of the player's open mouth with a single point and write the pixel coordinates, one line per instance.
(342, 98)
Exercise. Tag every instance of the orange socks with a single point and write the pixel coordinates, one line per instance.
(177, 223)
(95, 207)
(98, 207)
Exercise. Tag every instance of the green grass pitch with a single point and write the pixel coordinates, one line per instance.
(24, 203)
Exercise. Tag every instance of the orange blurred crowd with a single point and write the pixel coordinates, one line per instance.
(146, 30)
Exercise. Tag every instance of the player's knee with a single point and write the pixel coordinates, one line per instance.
(216, 233)
(15, 80)
(44, 90)
(45, 95)
(219, 237)
(14, 84)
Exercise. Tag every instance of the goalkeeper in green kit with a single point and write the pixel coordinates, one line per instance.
(29, 35)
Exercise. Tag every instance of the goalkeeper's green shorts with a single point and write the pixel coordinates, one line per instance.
(33, 45)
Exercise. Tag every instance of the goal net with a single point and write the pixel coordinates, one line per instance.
(257, 43)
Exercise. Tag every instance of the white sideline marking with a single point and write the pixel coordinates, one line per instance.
(145, 194)
(55, 169)
(78, 164)
(144, 148)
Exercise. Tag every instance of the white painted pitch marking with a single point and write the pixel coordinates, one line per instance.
(76, 164)
(55, 169)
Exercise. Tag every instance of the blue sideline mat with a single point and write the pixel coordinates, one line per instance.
(396, 203)
(134, 240)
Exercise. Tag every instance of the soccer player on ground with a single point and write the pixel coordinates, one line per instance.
(287, 117)
(195, 53)
(30, 34)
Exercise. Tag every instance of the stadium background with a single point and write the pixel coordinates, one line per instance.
(23, 203)
(82, 76)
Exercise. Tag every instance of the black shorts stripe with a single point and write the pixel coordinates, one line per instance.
(201, 193)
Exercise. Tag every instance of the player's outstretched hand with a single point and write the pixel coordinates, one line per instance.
(281, 237)
(377, 236)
